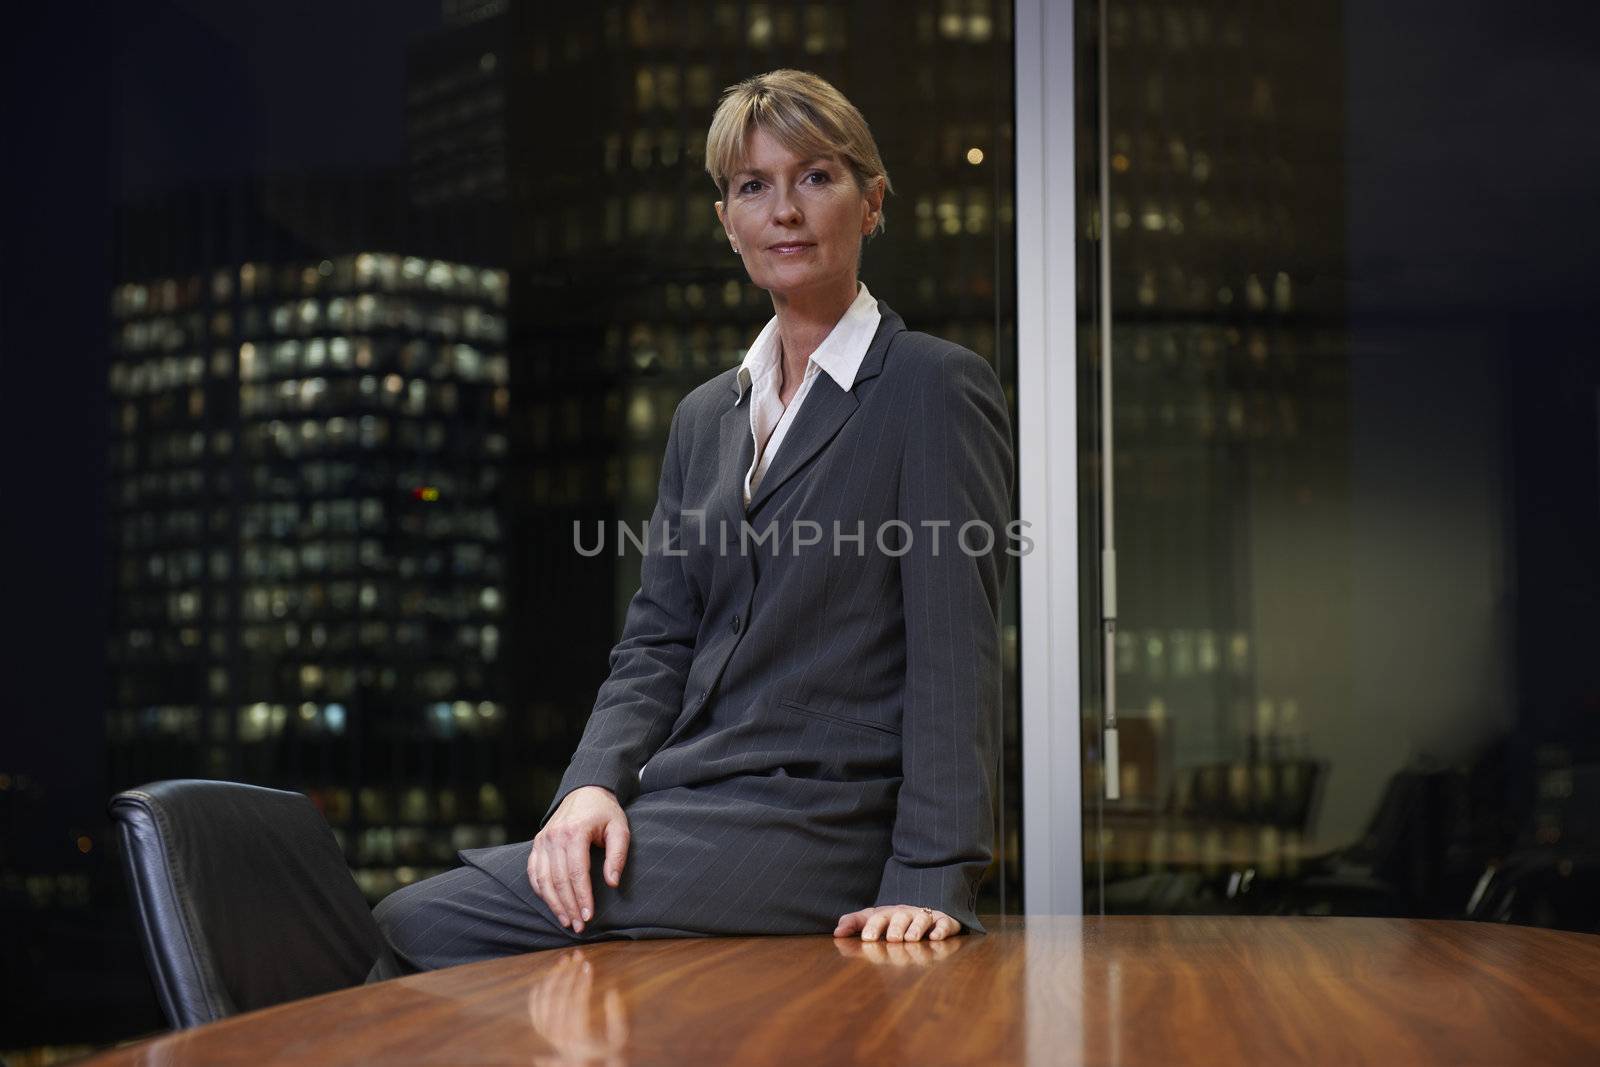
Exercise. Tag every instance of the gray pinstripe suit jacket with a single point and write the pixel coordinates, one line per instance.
(817, 730)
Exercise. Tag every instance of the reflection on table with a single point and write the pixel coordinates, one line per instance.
(1048, 990)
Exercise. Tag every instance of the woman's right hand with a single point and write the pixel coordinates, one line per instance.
(558, 866)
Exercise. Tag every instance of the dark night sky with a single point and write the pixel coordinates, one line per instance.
(1472, 161)
(207, 89)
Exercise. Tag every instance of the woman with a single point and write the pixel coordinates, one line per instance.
(799, 725)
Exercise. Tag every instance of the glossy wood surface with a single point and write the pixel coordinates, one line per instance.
(1122, 990)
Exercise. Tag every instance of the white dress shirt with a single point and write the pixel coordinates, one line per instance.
(840, 354)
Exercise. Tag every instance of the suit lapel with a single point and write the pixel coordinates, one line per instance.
(736, 451)
(826, 409)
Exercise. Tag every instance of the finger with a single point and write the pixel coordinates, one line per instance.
(918, 925)
(554, 880)
(897, 925)
(617, 838)
(541, 875)
(559, 886)
(849, 923)
(875, 924)
(578, 883)
(563, 858)
(945, 927)
(547, 891)
(536, 872)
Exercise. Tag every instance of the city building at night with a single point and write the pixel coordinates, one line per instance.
(308, 452)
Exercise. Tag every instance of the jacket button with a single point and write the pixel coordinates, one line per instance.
(736, 624)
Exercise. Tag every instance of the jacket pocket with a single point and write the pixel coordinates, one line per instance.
(860, 724)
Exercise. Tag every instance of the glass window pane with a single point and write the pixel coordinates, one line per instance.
(1355, 466)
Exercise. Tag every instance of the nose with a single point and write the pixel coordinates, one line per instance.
(786, 209)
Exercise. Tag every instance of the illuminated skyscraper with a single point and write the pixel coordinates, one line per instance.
(309, 442)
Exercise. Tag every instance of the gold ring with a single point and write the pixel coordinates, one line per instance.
(928, 910)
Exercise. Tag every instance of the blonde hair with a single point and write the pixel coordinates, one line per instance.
(806, 115)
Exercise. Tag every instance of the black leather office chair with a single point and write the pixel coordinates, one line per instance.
(242, 898)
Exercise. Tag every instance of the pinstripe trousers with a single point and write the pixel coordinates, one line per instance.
(467, 914)
(768, 854)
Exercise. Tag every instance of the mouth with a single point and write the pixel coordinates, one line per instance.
(789, 248)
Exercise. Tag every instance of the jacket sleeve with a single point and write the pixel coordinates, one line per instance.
(957, 470)
(643, 695)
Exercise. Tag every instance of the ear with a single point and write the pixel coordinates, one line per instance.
(874, 208)
(721, 216)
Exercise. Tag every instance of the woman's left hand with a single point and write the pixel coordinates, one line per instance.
(897, 922)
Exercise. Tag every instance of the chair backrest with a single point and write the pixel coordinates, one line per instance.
(242, 898)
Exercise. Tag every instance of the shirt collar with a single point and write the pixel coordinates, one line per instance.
(840, 353)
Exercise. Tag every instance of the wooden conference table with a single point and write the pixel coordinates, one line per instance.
(1121, 990)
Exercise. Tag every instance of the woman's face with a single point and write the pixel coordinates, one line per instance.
(798, 223)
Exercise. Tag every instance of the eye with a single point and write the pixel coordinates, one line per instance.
(745, 188)
(818, 174)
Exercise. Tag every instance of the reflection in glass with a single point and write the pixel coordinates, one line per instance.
(1329, 686)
